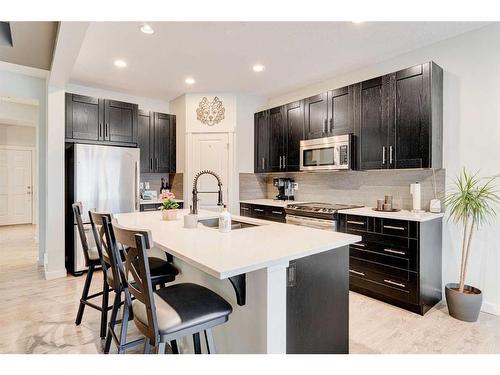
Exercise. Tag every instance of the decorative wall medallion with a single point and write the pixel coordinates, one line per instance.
(210, 113)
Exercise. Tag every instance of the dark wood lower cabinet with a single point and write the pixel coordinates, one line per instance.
(397, 261)
(258, 211)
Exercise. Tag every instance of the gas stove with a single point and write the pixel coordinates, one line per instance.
(325, 211)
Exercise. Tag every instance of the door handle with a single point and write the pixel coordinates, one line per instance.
(390, 155)
(284, 163)
(280, 161)
(383, 155)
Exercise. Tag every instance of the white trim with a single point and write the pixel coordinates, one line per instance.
(24, 70)
(55, 274)
(276, 309)
(491, 308)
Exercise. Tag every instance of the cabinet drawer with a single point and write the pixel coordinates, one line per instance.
(395, 227)
(275, 213)
(403, 255)
(389, 281)
(356, 223)
(150, 206)
(259, 212)
(245, 209)
(377, 257)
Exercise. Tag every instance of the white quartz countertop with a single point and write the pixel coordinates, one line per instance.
(157, 201)
(223, 255)
(400, 215)
(269, 202)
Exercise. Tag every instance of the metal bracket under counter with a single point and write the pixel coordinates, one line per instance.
(239, 283)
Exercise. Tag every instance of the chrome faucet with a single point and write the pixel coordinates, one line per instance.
(194, 209)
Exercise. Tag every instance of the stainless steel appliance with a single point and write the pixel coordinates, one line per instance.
(285, 188)
(103, 178)
(315, 215)
(329, 153)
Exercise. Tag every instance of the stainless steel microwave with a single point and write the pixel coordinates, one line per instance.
(329, 153)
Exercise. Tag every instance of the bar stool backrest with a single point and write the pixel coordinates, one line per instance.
(138, 241)
(96, 221)
(77, 211)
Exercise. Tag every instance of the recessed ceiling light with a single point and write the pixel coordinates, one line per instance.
(120, 63)
(189, 81)
(358, 21)
(146, 29)
(258, 68)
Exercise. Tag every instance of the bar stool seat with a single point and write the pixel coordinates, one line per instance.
(181, 307)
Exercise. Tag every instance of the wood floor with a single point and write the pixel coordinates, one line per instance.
(37, 316)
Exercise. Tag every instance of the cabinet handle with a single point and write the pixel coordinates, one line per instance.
(391, 227)
(394, 283)
(325, 125)
(277, 212)
(151, 163)
(292, 271)
(331, 124)
(359, 244)
(394, 251)
(383, 155)
(100, 130)
(263, 167)
(390, 155)
(106, 130)
(258, 210)
(281, 157)
(244, 208)
(284, 163)
(355, 222)
(357, 273)
(157, 164)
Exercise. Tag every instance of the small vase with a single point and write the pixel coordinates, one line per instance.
(169, 214)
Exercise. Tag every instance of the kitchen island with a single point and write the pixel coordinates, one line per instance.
(288, 285)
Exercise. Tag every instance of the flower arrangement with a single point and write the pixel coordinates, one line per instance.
(168, 206)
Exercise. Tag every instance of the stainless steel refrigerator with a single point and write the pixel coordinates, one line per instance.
(104, 178)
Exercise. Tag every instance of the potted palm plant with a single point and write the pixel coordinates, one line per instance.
(169, 207)
(472, 202)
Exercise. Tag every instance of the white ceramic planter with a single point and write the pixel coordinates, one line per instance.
(169, 214)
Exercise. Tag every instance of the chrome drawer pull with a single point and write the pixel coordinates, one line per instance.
(395, 251)
(355, 222)
(277, 212)
(395, 283)
(391, 227)
(245, 208)
(359, 244)
(258, 210)
(357, 273)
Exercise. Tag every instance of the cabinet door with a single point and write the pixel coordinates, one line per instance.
(341, 111)
(84, 117)
(163, 142)
(277, 138)
(294, 124)
(410, 135)
(121, 122)
(316, 113)
(261, 142)
(373, 126)
(145, 127)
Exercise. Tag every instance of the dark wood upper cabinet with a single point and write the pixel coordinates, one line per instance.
(316, 116)
(340, 111)
(84, 117)
(261, 141)
(144, 140)
(373, 129)
(120, 121)
(416, 104)
(277, 138)
(294, 125)
(156, 139)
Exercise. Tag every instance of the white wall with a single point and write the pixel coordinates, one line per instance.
(13, 135)
(471, 64)
(148, 104)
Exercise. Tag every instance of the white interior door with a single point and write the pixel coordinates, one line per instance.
(15, 187)
(211, 151)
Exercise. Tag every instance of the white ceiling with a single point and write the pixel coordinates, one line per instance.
(220, 55)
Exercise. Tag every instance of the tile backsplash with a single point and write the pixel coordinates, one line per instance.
(354, 187)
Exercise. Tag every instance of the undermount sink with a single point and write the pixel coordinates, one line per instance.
(235, 224)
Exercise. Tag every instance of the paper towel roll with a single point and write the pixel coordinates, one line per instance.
(416, 194)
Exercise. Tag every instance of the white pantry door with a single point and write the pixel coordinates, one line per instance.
(15, 187)
(211, 151)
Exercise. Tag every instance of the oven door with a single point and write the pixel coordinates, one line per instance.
(312, 222)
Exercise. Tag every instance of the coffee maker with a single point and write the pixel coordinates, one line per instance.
(285, 188)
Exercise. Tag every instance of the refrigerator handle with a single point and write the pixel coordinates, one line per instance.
(136, 186)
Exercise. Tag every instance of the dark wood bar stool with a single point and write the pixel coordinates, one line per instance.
(93, 259)
(168, 313)
(163, 272)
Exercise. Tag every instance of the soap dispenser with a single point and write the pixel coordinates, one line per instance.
(224, 221)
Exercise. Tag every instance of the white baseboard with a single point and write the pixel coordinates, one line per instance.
(491, 308)
(55, 274)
